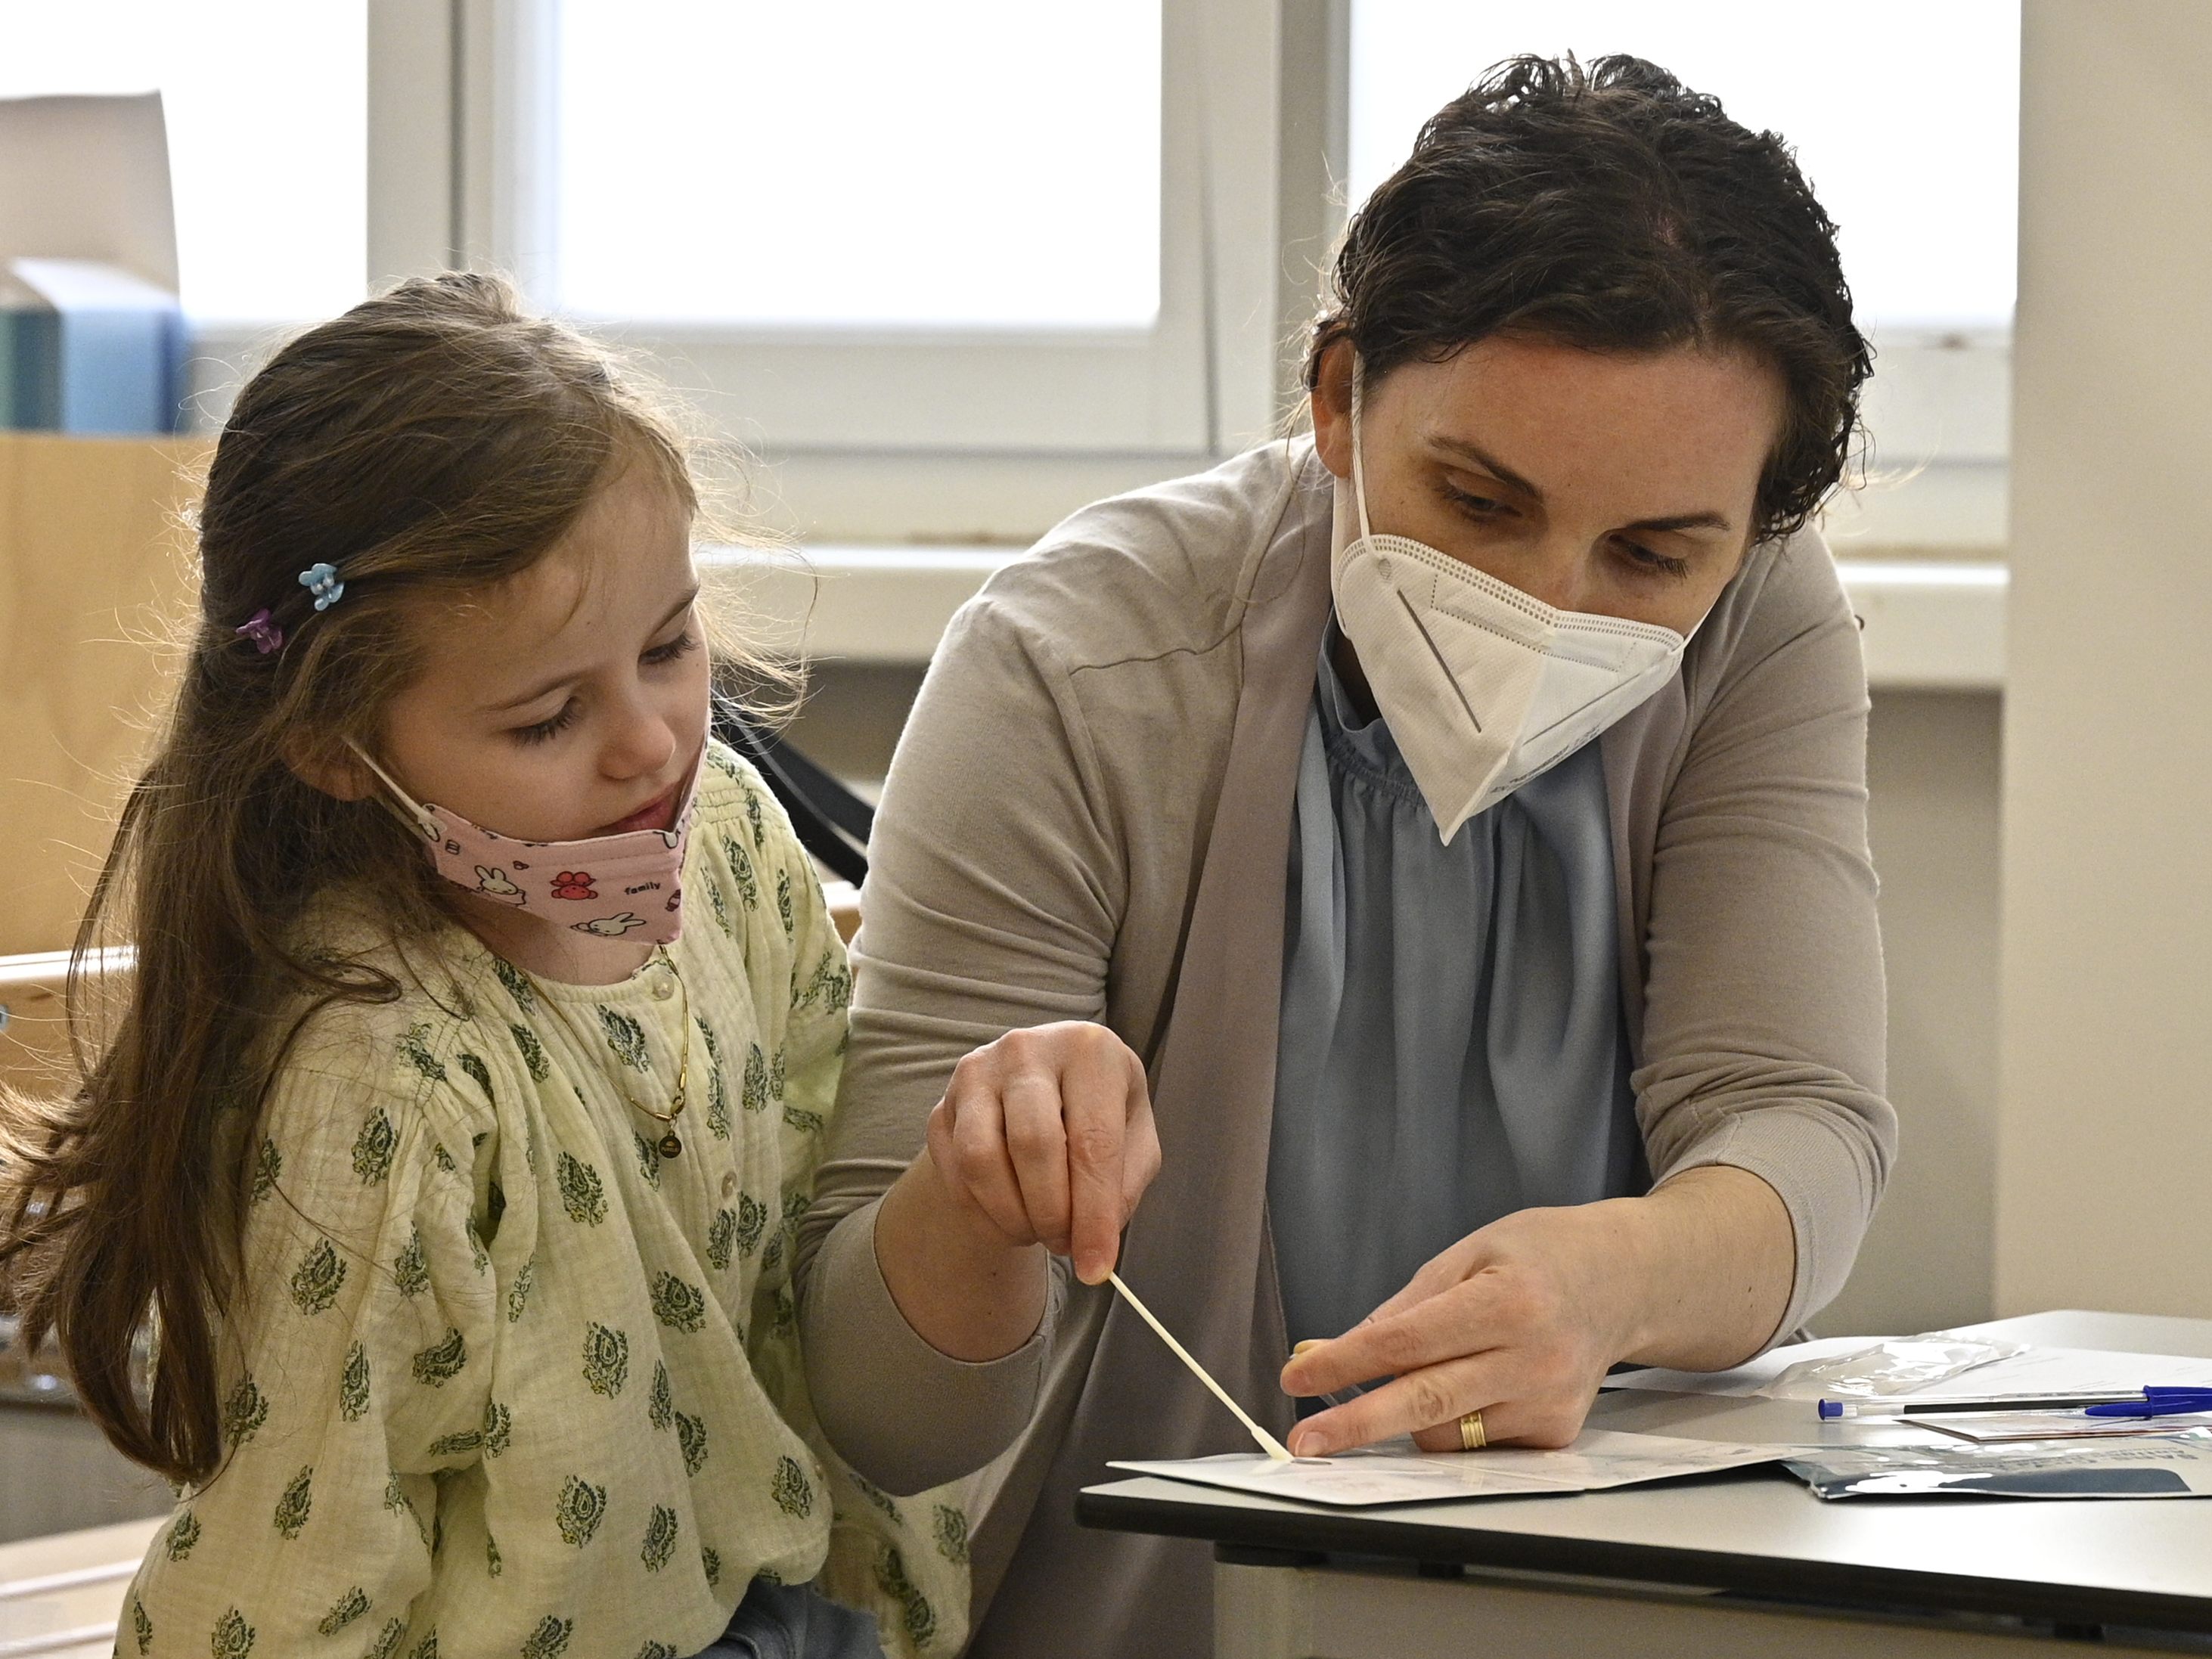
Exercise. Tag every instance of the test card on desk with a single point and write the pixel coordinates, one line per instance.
(1394, 1473)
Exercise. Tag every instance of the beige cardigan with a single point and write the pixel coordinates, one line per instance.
(1089, 819)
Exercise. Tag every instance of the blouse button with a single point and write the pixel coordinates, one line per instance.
(664, 985)
(729, 1182)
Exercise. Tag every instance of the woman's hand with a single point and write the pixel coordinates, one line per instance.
(1521, 1320)
(1048, 1134)
(1044, 1138)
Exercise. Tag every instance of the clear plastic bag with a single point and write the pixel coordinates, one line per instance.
(1900, 1365)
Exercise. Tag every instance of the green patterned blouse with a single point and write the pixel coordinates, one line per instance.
(505, 1380)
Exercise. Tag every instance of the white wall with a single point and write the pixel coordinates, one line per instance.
(2105, 1154)
(1932, 769)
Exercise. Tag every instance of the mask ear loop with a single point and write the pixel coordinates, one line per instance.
(415, 817)
(1359, 478)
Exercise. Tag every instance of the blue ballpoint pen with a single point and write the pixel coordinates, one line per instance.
(2156, 1402)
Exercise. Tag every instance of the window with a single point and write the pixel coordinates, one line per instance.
(956, 269)
(876, 164)
(975, 227)
(265, 101)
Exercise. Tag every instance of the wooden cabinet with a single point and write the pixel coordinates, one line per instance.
(96, 576)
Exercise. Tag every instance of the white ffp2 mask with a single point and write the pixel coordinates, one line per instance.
(1483, 688)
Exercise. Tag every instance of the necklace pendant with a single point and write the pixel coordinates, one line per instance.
(671, 1145)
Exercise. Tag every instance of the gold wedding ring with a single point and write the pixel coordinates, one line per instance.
(1471, 1435)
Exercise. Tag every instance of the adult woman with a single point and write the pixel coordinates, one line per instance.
(1591, 1029)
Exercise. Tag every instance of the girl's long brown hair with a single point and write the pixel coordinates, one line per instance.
(431, 442)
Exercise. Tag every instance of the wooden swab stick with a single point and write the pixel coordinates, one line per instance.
(1268, 1444)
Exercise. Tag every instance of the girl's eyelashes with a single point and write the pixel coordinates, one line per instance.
(545, 729)
(659, 656)
(682, 646)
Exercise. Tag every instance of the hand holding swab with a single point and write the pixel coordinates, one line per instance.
(1268, 1444)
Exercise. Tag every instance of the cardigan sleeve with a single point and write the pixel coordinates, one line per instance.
(985, 911)
(1765, 1016)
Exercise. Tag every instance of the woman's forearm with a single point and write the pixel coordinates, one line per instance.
(1717, 1258)
(965, 1289)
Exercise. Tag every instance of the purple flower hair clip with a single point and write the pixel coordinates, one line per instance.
(265, 635)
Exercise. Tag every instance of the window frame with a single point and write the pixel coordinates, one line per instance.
(1185, 388)
(883, 436)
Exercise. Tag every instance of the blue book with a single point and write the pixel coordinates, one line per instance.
(30, 332)
(104, 354)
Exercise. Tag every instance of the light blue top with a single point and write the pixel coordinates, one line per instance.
(1452, 1046)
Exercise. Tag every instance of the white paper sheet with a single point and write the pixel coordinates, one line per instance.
(1748, 1381)
(2035, 1371)
(1395, 1472)
(2071, 1371)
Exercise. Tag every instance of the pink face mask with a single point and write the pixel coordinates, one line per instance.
(623, 886)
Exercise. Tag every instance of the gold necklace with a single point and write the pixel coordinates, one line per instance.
(671, 1145)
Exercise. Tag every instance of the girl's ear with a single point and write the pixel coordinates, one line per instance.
(333, 769)
(1331, 408)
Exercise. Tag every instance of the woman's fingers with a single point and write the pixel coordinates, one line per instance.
(974, 1157)
(1110, 1144)
(1037, 1143)
(1384, 1342)
(1520, 1406)
(1545, 1425)
(1422, 1399)
(1050, 1131)
(1478, 1314)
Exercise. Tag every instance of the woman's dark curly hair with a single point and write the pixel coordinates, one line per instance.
(1610, 207)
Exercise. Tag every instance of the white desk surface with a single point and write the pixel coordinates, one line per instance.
(1762, 1532)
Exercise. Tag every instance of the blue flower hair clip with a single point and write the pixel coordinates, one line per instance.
(322, 580)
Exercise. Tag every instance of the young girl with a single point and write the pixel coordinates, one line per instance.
(464, 1189)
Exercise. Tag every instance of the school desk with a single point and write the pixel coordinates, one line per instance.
(1745, 1564)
